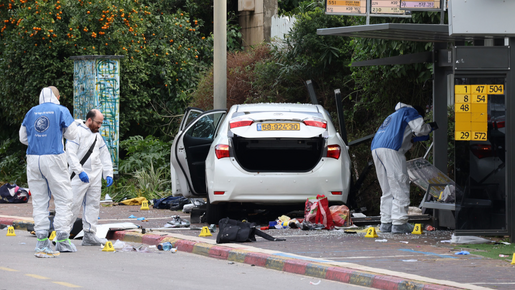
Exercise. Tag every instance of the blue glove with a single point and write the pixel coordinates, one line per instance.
(420, 138)
(109, 180)
(84, 177)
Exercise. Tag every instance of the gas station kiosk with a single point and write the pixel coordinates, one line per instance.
(472, 58)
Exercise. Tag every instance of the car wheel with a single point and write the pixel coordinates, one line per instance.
(214, 212)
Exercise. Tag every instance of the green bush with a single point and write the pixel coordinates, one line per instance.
(144, 171)
(12, 162)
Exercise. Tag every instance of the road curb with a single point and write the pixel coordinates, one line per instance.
(16, 223)
(270, 261)
(286, 264)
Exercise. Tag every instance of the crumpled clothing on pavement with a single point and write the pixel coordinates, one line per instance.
(311, 226)
(133, 201)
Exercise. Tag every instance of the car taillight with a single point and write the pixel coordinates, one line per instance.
(500, 124)
(333, 151)
(219, 192)
(336, 192)
(315, 123)
(481, 150)
(221, 151)
(240, 123)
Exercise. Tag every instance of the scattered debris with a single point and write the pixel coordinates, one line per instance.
(462, 253)
(315, 283)
(177, 222)
(467, 240)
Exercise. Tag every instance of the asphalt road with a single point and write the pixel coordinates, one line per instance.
(91, 268)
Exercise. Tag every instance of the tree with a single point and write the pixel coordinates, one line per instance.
(164, 53)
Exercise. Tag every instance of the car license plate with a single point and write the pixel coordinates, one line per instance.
(278, 127)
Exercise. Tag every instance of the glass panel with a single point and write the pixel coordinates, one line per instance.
(205, 127)
(480, 153)
(191, 116)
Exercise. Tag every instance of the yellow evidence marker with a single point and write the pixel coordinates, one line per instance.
(10, 231)
(144, 205)
(417, 230)
(205, 232)
(371, 233)
(108, 247)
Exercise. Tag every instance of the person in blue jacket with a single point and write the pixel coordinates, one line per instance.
(42, 130)
(391, 141)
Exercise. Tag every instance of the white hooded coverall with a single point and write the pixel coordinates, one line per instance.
(391, 142)
(99, 163)
(42, 130)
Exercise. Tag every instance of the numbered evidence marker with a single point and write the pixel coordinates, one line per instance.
(10, 231)
(144, 205)
(108, 247)
(417, 230)
(371, 233)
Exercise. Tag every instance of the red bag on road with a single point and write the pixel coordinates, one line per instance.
(317, 211)
(341, 215)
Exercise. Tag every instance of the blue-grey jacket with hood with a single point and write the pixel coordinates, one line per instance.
(44, 125)
(397, 129)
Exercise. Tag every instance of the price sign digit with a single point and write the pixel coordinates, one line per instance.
(462, 107)
(480, 99)
(479, 136)
(462, 136)
(496, 89)
(462, 98)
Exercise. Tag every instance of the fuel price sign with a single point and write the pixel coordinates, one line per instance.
(471, 110)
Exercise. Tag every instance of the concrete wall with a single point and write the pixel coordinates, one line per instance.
(281, 25)
(255, 18)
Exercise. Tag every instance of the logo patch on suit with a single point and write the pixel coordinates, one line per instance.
(386, 122)
(42, 123)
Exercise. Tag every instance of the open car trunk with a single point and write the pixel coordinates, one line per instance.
(278, 154)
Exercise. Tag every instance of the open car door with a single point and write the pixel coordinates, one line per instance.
(189, 151)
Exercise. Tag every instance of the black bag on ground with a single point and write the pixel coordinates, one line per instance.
(171, 202)
(233, 231)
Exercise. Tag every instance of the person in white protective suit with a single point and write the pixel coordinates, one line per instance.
(391, 141)
(42, 130)
(87, 183)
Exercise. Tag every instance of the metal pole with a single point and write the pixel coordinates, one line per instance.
(341, 116)
(220, 54)
(439, 110)
(369, 3)
(510, 139)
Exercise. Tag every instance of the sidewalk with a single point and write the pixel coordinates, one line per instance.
(402, 262)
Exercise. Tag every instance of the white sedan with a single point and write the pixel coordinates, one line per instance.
(259, 154)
